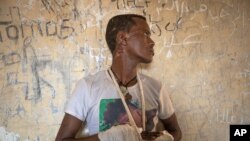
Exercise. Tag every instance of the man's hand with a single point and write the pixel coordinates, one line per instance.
(150, 135)
(156, 136)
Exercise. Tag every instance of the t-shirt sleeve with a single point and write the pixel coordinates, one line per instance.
(77, 104)
(166, 108)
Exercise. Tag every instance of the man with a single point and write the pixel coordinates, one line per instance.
(119, 103)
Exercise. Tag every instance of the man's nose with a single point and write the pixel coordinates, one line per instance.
(151, 42)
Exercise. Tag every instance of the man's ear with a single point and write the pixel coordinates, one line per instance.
(121, 38)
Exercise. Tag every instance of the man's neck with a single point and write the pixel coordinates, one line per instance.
(124, 70)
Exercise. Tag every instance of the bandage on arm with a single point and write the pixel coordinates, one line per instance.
(165, 136)
(119, 133)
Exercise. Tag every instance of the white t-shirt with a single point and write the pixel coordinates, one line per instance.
(96, 101)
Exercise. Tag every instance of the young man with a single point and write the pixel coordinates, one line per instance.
(119, 103)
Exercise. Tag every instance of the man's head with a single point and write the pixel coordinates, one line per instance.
(119, 23)
(129, 35)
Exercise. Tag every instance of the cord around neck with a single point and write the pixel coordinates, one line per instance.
(120, 82)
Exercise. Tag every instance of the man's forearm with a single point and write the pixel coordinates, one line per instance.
(176, 134)
(89, 138)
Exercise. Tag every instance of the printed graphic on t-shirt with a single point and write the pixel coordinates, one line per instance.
(112, 112)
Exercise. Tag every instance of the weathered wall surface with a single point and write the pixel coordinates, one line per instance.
(202, 55)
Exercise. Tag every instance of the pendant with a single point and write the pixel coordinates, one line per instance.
(125, 93)
(124, 90)
(128, 96)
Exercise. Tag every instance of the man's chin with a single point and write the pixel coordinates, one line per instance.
(148, 61)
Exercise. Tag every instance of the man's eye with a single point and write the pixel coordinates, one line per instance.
(146, 34)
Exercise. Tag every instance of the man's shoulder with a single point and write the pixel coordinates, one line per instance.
(92, 79)
(96, 76)
(150, 80)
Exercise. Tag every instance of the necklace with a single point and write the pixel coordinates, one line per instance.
(120, 82)
(124, 87)
(131, 119)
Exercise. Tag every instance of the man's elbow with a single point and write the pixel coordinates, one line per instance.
(178, 135)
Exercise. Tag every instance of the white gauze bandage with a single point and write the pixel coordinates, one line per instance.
(165, 137)
(119, 133)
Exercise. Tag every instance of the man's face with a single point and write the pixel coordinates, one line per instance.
(139, 44)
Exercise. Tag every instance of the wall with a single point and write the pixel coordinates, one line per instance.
(202, 56)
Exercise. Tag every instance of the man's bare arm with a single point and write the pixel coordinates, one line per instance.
(172, 126)
(69, 128)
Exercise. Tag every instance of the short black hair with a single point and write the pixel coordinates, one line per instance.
(119, 23)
